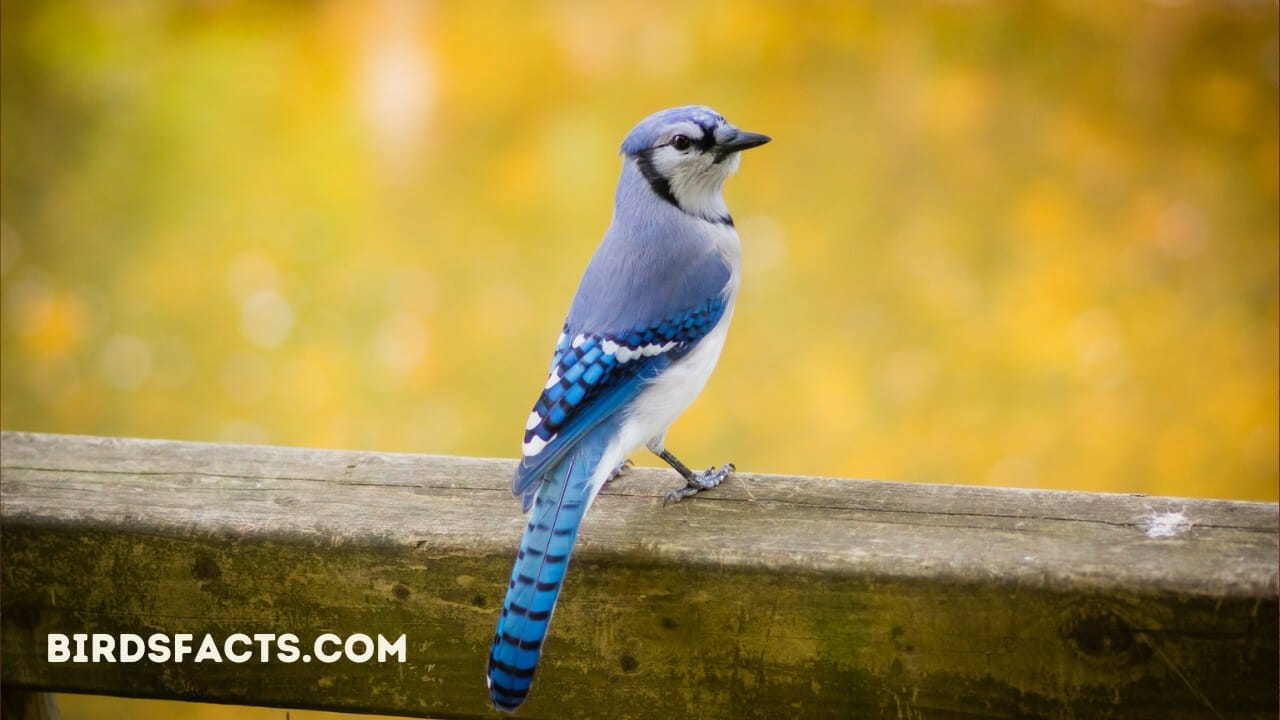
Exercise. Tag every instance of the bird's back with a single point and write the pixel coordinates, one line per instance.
(654, 261)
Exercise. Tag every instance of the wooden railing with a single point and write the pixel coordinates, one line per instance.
(770, 597)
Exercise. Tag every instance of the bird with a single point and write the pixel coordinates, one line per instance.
(640, 340)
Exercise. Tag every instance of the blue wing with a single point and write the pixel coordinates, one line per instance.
(593, 375)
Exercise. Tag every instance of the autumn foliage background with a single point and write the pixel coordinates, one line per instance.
(1028, 244)
(992, 243)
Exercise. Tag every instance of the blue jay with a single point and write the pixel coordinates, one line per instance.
(642, 336)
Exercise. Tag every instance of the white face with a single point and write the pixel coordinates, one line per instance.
(695, 172)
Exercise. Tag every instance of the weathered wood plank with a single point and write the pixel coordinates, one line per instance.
(772, 595)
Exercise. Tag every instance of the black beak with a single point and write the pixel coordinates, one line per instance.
(742, 141)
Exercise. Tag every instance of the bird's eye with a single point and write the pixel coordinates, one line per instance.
(681, 143)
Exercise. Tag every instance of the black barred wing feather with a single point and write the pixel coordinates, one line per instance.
(593, 375)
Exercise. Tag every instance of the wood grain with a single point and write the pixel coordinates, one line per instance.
(771, 596)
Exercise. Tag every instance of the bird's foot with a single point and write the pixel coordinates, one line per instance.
(708, 479)
(623, 469)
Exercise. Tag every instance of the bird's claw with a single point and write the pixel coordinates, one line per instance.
(624, 469)
(709, 478)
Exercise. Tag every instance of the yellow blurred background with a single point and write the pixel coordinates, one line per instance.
(1028, 244)
(991, 244)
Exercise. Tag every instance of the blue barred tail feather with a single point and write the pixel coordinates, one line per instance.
(539, 570)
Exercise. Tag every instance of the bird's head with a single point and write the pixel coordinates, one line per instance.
(686, 153)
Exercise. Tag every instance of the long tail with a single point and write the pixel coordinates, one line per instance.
(539, 569)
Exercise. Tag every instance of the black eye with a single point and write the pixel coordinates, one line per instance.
(681, 143)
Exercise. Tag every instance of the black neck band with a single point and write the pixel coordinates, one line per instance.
(662, 187)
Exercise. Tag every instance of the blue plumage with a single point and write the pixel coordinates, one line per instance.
(539, 570)
(649, 132)
(642, 336)
(588, 373)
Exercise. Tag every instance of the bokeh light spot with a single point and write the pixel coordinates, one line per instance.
(125, 361)
(249, 273)
(401, 342)
(266, 318)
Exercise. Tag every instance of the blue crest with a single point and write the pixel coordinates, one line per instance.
(649, 131)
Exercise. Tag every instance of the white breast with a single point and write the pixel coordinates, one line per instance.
(671, 393)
